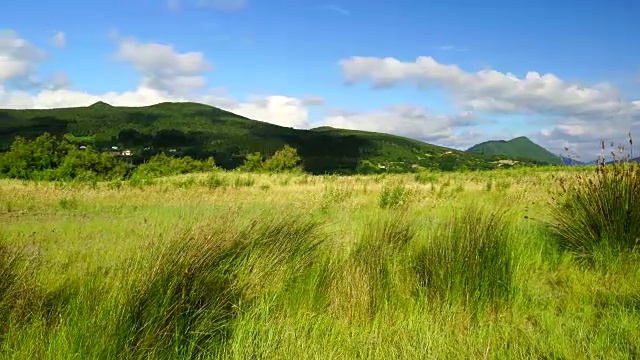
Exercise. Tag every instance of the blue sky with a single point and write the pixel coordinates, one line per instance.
(264, 58)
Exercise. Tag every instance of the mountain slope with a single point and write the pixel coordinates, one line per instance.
(520, 148)
(199, 131)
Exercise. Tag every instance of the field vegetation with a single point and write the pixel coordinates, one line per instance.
(513, 263)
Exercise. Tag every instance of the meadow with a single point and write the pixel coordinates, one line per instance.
(230, 265)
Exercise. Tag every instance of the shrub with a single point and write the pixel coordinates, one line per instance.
(468, 259)
(215, 181)
(598, 211)
(243, 181)
(426, 177)
(163, 165)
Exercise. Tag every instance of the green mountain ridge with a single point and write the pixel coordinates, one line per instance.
(519, 148)
(200, 131)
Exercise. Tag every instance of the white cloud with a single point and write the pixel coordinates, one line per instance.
(163, 68)
(494, 91)
(59, 39)
(574, 114)
(404, 120)
(59, 80)
(166, 75)
(279, 110)
(583, 138)
(18, 58)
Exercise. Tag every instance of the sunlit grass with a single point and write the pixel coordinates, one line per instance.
(232, 265)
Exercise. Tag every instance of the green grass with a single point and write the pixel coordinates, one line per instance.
(305, 267)
(598, 215)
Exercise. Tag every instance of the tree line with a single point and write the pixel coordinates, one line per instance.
(52, 159)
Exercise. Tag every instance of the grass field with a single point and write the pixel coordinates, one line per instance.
(230, 265)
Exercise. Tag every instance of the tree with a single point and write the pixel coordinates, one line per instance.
(252, 163)
(47, 158)
(366, 167)
(284, 160)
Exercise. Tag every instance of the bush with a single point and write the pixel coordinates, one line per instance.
(468, 259)
(599, 212)
(163, 165)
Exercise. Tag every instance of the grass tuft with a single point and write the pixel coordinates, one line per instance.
(369, 276)
(469, 259)
(598, 214)
(394, 196)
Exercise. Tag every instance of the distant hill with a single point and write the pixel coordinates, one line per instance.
(520, 148)
(200, 131)
(571, 162)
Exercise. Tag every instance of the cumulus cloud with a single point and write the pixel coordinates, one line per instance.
(162, 67)
(18, 58)
(59, 39)
(493, 91)
(166, 75)
(575, 114)
(404, 120)
(583, 139)
(278, 110)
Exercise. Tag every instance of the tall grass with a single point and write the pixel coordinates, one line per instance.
(9, 284)
(468, 258)
(184, 305)
(394, 196)
(163, 272)
(369, 276)
(599, 213)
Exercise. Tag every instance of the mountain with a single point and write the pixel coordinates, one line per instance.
(520, 148)
(199, 131)
(571, 162)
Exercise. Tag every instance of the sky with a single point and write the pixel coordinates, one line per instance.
(565, 73)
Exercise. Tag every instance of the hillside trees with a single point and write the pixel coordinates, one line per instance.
(284, 160)
(48, 158)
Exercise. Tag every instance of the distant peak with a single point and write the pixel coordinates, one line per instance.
(521, 138)
(100, 104)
